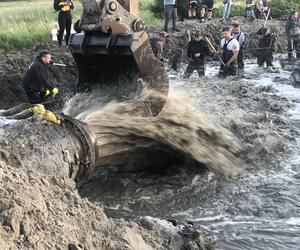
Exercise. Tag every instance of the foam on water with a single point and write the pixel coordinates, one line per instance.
(256, 211)
(4, 121)
(279, 188)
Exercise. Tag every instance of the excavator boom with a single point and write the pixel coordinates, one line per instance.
(113, 53)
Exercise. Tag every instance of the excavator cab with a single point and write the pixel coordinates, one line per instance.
(113, 53)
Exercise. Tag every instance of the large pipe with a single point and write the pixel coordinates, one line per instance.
(66, 150)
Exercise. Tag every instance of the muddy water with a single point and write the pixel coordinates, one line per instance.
(258, 210)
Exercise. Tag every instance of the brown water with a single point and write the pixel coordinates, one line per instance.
(256, 210)
(178, 133)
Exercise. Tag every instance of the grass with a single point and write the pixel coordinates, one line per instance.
(25, 23)
(147, 15)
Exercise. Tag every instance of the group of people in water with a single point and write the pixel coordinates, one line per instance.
(231, 48)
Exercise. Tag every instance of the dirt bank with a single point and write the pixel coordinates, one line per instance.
(42, 211)
(41, 208)
(13, 66)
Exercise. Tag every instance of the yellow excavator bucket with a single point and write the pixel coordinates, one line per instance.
(113, 53)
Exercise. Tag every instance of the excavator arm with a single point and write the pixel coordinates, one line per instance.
(113, 53)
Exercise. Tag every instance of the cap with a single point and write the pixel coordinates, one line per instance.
(163, 34)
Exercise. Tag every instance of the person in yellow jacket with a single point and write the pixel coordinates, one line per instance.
(64, 19)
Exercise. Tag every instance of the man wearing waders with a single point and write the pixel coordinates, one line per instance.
(292, 27)
(266, 46)
(240, 37)
(229, 48)
(197, 50)
(64, 19)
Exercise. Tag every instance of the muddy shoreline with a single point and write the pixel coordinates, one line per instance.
(58, 216)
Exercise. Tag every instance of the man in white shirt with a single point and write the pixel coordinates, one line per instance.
(170, 7)
(240, 37)
(229, 48)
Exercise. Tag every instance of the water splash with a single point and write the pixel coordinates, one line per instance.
(180, 132)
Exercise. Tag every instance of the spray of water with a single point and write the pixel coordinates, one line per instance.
(128, 139)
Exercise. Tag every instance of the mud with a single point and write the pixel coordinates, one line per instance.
(259, 115)
(235, 127)
(13, 66)
(41, 207)
(48, 213)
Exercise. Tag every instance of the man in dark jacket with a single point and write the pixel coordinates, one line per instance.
(291, 25)
(196, 52)
(64, 19)
(266, 45)
(36, 82)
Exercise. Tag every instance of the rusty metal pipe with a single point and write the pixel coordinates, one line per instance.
(66, 150)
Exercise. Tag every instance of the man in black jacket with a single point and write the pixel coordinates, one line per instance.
(293, 24)
(64, 19)
(266, 45)
(196, 52)
(36, 82)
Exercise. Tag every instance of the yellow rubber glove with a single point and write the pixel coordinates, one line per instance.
(55, 91)
(47, 92)
(38, 109)
(51, 117)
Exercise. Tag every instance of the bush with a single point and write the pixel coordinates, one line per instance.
(282, 8)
